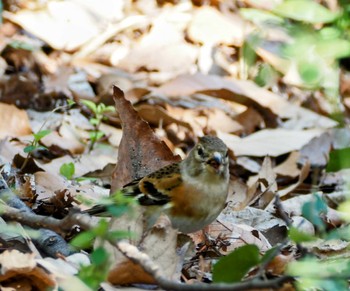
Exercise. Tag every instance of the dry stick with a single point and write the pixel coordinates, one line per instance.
(131, 252)
(40, 221)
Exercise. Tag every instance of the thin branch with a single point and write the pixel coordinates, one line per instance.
(132, 253)
(39, 221)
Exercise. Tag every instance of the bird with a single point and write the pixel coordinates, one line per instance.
(192, 192)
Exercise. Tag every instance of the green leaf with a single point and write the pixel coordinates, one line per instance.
(39, 135)
(305, 10)
(29, 149)
(310, 72)
(83, 240)
(94, 121)
(266, 75)
(101, 229)
(314, 274)
(121, 234)
(269, 255)
(117, 210)
(99, 256)
(109, 109)
(91, 105)
(96, 135)
(298, 236)
(71, 102)
(338, 159)
(313, 211)
(17, 44)
(260, 16)
(67, 170)
(235, 266)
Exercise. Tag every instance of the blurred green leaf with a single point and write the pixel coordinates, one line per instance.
(96, 135)
(314, 274)
(17, 44)
(97, 272)
(344, 209)
(40, 134)
(120, 234)
(305, 10)
(338, 159)
(99, 256)
(117, 210)
(29, 148)
(94, 121)
(91, 105)
(266, 75)
(83, 240)
(235, 266)
(101, 229)
(67, 170)
(260, 16)
(310, 72)
(314, 210)
(298, 236)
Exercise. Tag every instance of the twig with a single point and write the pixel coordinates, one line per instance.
(39, 221)
(132, 253)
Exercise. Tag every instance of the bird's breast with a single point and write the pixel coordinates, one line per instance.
(197, 203)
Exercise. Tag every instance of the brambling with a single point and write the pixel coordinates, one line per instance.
(192, 193)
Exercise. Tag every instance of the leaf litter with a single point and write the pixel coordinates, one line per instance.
(172, 72)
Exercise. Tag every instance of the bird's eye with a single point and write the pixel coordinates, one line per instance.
(200, 151)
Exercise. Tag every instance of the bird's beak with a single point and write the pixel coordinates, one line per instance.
(215, 160)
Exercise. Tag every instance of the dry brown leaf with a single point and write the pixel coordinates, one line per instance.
(72, 145)
(17, 266)
(304, 172)
(250, 121)
(140, 151)
(69, 24)
(13, 121)
(209, 26)
(47, 183)
(234, 90)
(97, 159)
(164, 255)
(289, 167)
(316, 151)
(271, 142)
(279, 264)
(8, 150)
(158, 49)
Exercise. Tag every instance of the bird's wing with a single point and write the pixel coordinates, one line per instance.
(155, 188)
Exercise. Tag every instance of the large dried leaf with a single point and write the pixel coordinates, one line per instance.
(158, 49)
(68, 24)
(13, 121)
(19, 266)
(272, 142)
(242, 91)
(140, 151)
(210, 26)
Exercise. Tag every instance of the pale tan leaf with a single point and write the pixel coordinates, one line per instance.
(66, 25)
(208, 25)
(13, 121)
(296, 117)
(272, 142)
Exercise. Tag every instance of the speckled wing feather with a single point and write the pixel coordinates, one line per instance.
(154, 189)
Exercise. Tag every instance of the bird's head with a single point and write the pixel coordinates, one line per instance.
(210, 154)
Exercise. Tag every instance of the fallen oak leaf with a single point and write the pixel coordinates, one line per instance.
(140, 151)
